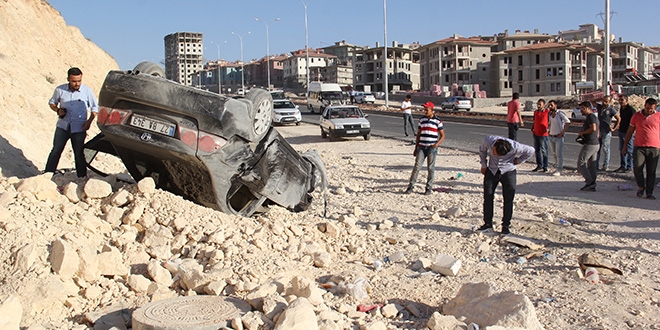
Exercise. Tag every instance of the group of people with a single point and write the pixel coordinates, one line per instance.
(639, 146)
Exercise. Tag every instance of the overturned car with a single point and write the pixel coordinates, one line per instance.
(217, 151)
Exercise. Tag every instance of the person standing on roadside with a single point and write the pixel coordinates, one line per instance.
(645, 125)
(499, 159)
(587, 163)
(406, 107)
(71, 102)
(540, 131)
(430, 134)
(605, 114)
(626, 112)
(513, 117)
(559, 123)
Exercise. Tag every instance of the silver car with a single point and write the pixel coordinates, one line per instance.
(285, 112)
(365, 97)
(457, 103)
(344, 121)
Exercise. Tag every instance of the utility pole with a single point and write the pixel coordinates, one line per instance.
(387, 99)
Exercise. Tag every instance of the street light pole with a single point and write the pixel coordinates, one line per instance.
(242, 62)
(387, 100)
(267, 47)
(219, 68)
(306, 45)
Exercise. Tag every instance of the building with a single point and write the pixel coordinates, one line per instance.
(456, 61)
(218, 74)
(295, 67)
(258, 71)
(505, 41)
(585, 33)
(402, 68)
(545, 69)
(184, 55)
(342, 72)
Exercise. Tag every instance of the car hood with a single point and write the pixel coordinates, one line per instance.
(347, 121)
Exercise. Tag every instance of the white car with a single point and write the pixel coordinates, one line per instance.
(456, 103)
(365, 97)
(285, 112)
(344, 121)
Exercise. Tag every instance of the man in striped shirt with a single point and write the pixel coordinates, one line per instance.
(430, 134)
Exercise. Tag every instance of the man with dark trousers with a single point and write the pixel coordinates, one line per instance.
(499, 159)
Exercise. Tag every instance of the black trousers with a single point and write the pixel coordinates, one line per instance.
(491, 181)
(513, 131)
(78, 146)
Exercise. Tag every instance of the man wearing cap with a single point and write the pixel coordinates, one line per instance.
(499, 158)
(406, 107)
(430, 133)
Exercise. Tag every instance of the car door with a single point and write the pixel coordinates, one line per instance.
(324, 121)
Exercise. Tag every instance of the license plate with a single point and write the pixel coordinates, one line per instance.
(352, 132)
(152, 125)
(289, 119)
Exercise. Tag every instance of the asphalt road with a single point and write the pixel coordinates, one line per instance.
(467, 136)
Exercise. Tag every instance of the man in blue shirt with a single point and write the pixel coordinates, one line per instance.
(71, 102)
(499, 158)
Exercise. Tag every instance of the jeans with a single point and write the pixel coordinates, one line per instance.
(78, 145)
(604, 140)
(627, 159)
(557, 151)
(541, 151)
(491, 181)
(408, 119)
(513, 131)
(428, 153)
(645, 157)
(587, 163)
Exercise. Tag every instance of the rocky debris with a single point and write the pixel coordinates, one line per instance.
(10, 311)
(481, 304)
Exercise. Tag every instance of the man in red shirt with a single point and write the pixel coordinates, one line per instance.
(540, 130)
(513, 117)
(645, 125)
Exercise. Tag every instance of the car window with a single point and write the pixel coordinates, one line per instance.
(334, 114)
(277, 95)
(283, 105)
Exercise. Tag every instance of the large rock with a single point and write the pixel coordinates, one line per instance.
(10, 313)
(306, 288)
(41, 186)
(479, 303)
(64, 259)
(95, 188)
(445, 322)
(298, 316)
(112, 263)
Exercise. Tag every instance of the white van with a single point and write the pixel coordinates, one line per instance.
(322, 95)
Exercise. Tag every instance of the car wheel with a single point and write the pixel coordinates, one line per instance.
(323, 134)
(454, 108)
(468, 109)
(333, 138)
(149, 68)
(262, 104)
(297, 123)
(367, 137)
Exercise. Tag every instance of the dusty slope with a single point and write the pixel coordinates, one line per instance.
(36, 50)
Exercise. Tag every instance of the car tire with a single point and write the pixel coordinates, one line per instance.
(367, 137)
(454, 108)
(262, 105)
(323, 134)
(149, 68)
(333, 138)
(297, 123)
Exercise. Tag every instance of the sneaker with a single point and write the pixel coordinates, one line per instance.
(626, 170)
(505, 231)
(603, 169)
(536, 169)
(591, 187)
(485, 227)
(408, 191)
(650, 197)
(428, 192)
(545, 170)
(620, 170)
(557, 173)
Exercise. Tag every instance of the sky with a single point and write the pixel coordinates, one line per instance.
(133, 31)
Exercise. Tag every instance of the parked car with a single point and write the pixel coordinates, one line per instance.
(285, 112)
(278, 94)
(457, 103)
(215, 150)
(365, 97)
(344, 121)
(577, 114)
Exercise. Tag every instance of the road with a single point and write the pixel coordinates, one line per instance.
(468, 136)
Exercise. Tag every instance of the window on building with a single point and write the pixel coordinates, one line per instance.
(446, 50)
(520, 89)
(558, 87)
(538, 58)
(558, 56)
(554, 71)
(549, 73)
(446, 78)
(538, 74)
(560, 71)
(506, 84)
(520, 60)
(538, 88)
(506, 72)
(506, 60)
(552, 87)
(520, 75)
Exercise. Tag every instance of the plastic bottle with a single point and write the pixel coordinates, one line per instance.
(591, 275)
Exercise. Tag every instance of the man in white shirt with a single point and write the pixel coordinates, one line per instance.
(559, 123)
(406, 107)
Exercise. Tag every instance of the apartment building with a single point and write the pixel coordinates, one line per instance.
(218, 75)
(342, 72)
(506, 41)
(543, 69)
(258, 71)
(456, 60)
(631, 61)
(295, 67)
(184, 55)
(585, 33)
(401, 67)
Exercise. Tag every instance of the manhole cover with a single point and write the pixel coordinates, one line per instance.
(195, 312)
